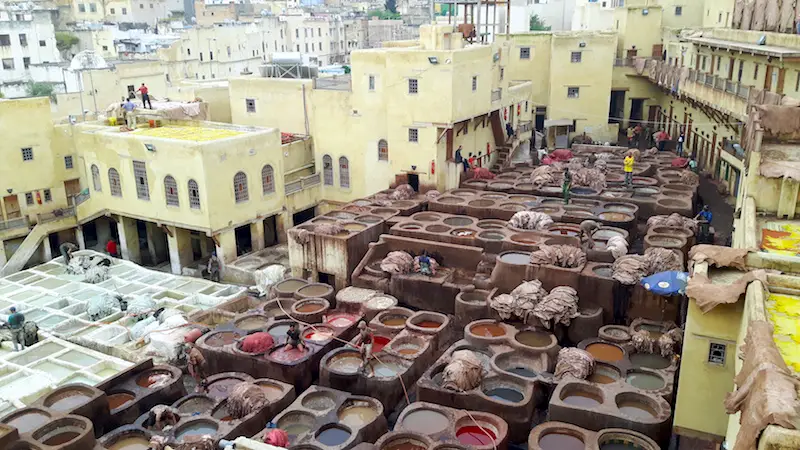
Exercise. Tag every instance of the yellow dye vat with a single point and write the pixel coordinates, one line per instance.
(197, 134)
(784, 312)
(782, 239)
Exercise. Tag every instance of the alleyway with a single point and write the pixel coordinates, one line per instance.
(720, 206)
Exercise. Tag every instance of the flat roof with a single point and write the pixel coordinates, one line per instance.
(188, 133)
(768, 50)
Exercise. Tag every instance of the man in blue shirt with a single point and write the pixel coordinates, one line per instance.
(127, 110)
(705, 214)
(15, 322)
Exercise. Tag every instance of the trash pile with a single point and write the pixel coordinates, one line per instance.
(559, 255)
(529, 300)
(530, 220)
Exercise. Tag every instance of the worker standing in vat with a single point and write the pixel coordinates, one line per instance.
(364, 341)
(66, 250)
(294, 340)
(213, 267)
(16, 322)
(566, 185)
(196, 365)
(588, 227)
(145, 96)
(627, 166)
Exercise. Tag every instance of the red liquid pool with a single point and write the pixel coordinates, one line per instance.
(474, 435)
(287, 355)
(378, 342)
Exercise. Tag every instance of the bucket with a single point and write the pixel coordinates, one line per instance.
(152, 123)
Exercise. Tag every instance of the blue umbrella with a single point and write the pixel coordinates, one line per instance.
(666, 283)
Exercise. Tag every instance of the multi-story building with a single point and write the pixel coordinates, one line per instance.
(321, 35)
(123, 11)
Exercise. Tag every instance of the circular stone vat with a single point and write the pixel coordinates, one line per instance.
(221, 387)
(386, 212)
(487, 329)
(649, 361)
(28, 419)
(526, 238)
(644, 191)
(636, 406)
(620, 440)
(197, 427)
(581, 395)
(323, 220)
(659, 240)
(410, 226)
(319, 333)
(310, 306)
(319, 401)
(463, 192)
(318, 290)
(459, 221)
(491, 224)
(425, 421)
(614, 333)
(517, 364)
(404, 443)
(287, 287)
(535, 339)
(408, 345)
(380, 302)
(427, 321)
(683, 232)
(564, 229)
(437, 228)
(604, 374)
(583, 191)
(620, 207)
(68, 398)
(645, 380)
(353, 226)
(346, 362)
(473, 297)
(368, 219)
(613, 216)
(560, 441)
(462, 232)
(386, 368)
(604, 271)
(426, 217)
(393, 319)
(357, 413)
(119, 399)
(340, 320)
(604, 234)
(221, 338)
(516, 258)
(476, 435)
(502, 390)
(491, 235)
(252, 323)
(284, 354)
(296, 423)
(481, 203)
(447, 199)
(512, 207)
(499, 185)
(605, 352)
(195, 404)
(63, 431)
(344, 215)
(333, 435)
(129, 440)
(278, 330)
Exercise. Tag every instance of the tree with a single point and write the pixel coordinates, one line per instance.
(391, 6)
(65, 41)
(383, 14)
(41, 90)
(537, 24)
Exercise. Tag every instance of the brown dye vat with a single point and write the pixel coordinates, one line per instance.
(271, 391)
(458, 221)
(354, 226)
(118, 400)
(428, 324)
(534, 338)
(28, 422)
(604, 374)
(561, 441)
(62, 438)
(405, 444)
(582, 399)
(130, 443)
(67, 401)
(309, 307)
(222, 338)
(290, 285)
(605, 352)
(487, 330)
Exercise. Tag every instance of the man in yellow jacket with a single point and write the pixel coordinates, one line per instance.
(628, 167)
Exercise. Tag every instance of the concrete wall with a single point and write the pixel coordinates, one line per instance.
(37, 29)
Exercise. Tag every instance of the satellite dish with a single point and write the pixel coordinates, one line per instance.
(87, 60)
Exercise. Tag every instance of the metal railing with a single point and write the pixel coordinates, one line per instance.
(294, 186)
(311, 180)
(497, 94)
(56, 214)
(19, 222)
(77, 199)
(302, 183)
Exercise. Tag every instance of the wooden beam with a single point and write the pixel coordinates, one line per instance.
(480, 120)
(463, 127)
(167, 230)
(441, 135)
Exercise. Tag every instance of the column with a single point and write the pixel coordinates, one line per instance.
(3, 259)
(226, 246)
(47, 250)
(128, 239)
(103, 227)
(284, 222)
(257, 235)
(180, 249)
(79, 237)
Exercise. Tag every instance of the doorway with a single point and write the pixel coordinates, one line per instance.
(541, 115)
(616, 110)
(304, 215)
(562, 136)
(637, 109)
(244, 242)
(11, 204)
(326, 278)
(71, 189)
(413, 181)
(270, 231)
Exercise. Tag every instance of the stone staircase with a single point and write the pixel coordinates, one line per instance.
(503, 158)
(48, 223)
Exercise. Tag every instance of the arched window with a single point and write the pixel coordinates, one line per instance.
(327, 170)
(267, 180)
(96, 178)
(240, 187)
(113, 182)
(344, 172)
(383, 150)
(194, 195)
(171, 191)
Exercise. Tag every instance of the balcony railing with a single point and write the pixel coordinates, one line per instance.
(525, 126)
(302, 183)
(79, 198)
(497, 94)
(10, 224)
(623, 62)
(56, 214)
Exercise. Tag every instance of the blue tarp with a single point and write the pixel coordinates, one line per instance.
(666, 283)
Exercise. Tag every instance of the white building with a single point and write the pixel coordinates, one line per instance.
(594, 14)
(557, 14)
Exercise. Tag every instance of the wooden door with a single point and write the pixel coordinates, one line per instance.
(658, 52)
(768, 79)
(11, 204)
(652, 114)
(781, 79)
(71, 189)
(711, 69)
(730, 68)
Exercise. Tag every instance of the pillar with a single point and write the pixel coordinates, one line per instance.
(103, 227)
(79, 237)
(128, 239)
(47, 250)
(180, 249)
(284, 222)
(226, 246)
(257, 235)
(3, 258)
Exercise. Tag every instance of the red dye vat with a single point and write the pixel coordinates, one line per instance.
(475, 435)
(285, 355)
(341, 320)
(378, 342)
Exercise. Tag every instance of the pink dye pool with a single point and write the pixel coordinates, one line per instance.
(341, 320)
(378, 342)
(285, 355)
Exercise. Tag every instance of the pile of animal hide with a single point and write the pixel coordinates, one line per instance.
(103, 306)
(642, 341)
(397, 262)
(637, 155)
(268, 277)
(403, 192)
(652, 151)
(432, 194)
(303, 236)
(482, 173)
(530, 220)
(245, 398)
(140, 305)
(719, 256)
(618, 246)
(158, 380)
(670, 342)
(630, 269)
(521, 302)
(559, 306)
(547, 175)
(277, 438)
(464, 372)
(328, 229)
(559, 255)
(689, 177)
(163, 417)
(93, 268)
(193, 442)
(592, 178)
(257, 342)
(601, 165)
(575, 362)
(432, 264)
(604, 156)
(673, 220)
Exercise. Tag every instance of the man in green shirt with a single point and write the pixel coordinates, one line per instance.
(15, 321)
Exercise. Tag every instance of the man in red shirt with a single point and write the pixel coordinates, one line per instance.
(145, 98)
(111, 248)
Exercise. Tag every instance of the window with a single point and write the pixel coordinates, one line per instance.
(306, 46)
(297, 33)
(305, 32)
(327, 170)
(413, 86)
(113, 11)
(240, 187)
(319, 32)
(679, 10)
(413, 135)
(141, 5)
(140, 173)
(502, 72)
(229, 51)
(719, 19)
(105, 48)
(96, 179)
(755, 72)
(344, 172)
(797, 82)
(525, 53)
(716, 353)
(171, 191)
(151, 6)
(383, 150)
(194, 195)
(48, 196)
(27, 154)
(718, 63)
(124, 11)
(210, 55)
(68, 162)
(82, 8)
(189, 52)
(26, 62)
(23, 40)
(575, 57)
(201, 56)
(42, 44)
(250, 104)
(92, 7)
(573, 92)
(29, 198)
(8, 64)
(114, 185)
(267, 180)
(372, 82)
(298, 47)
(474, 84)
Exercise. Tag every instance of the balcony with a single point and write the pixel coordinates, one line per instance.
(497, 94)
(302, 184)
(56, 214)
(10, 224)
(525, 127)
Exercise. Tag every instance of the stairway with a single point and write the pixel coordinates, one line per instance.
(31, 243)
(502, 159)
(502, 148)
